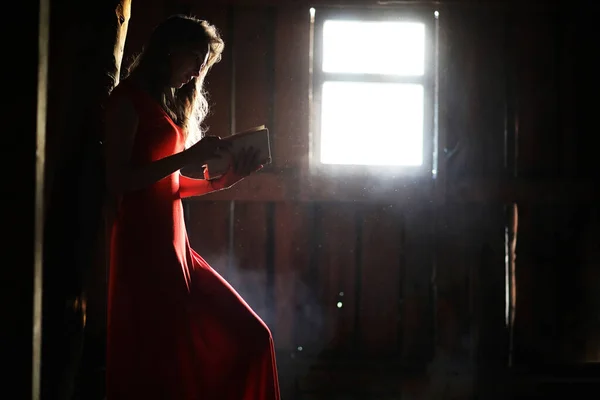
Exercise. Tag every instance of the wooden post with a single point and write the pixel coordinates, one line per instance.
(88, 48)
(21, 214)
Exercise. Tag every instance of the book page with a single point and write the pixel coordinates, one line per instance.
(257, 138)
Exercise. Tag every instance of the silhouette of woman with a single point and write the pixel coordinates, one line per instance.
(176, 329)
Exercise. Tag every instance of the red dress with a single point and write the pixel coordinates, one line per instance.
(176, 329)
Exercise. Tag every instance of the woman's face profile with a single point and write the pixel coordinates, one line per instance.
(188, 63)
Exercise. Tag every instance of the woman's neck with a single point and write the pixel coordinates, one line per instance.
(142, 82)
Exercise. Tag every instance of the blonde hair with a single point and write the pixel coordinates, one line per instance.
(188, 105)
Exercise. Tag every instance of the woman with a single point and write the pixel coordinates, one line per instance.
(176, 329)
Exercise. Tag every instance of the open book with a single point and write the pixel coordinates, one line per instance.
(257, 138)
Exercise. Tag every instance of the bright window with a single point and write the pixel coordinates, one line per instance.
(372, 87)
(371, 47)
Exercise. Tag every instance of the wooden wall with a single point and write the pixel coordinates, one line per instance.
(418, 267)
(380, 288)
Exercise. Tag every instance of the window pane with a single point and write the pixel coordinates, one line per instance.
(395, 48)
(372, 123)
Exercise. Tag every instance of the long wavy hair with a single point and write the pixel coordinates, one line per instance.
(188, 105)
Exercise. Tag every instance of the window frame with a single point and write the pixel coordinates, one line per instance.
(428, 80)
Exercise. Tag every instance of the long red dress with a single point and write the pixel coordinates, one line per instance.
(176, 329)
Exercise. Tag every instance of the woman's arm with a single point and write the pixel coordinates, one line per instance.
(120, 130)
(189, 187)
(245, 162)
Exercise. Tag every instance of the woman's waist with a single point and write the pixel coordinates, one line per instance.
(147, 207)
(163, 192)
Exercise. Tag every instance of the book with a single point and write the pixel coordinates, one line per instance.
(257, 138)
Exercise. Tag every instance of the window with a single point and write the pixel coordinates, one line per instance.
(373, 86)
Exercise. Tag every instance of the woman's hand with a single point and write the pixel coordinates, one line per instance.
(207, 148)
(243, 164)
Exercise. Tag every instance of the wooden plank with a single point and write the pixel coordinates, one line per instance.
(451, 369)
(144, 17)
(293, 230)
(290, 128)
(456, 86)
(417, 234)
(524, 191)
(467, 253)
(536, 90)
(586, 65)
(208, 232)
(177, 7)
(251, 50)
(247, 272)
(445, 40)
(474, 101)
(529, 286)
(586, 298)
(453, 280)
(567, 94)
(336, 276)
(488, 100)
(381, 249)
(486, 256)
(363, 187)
(283, 187)
(551, 297)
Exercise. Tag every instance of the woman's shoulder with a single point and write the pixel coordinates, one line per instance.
(129, 91)
(123, 89)
(124, 93)
(121, 101)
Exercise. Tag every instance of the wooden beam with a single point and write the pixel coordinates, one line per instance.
(287, 186)
(390, 3)
(525, 190)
